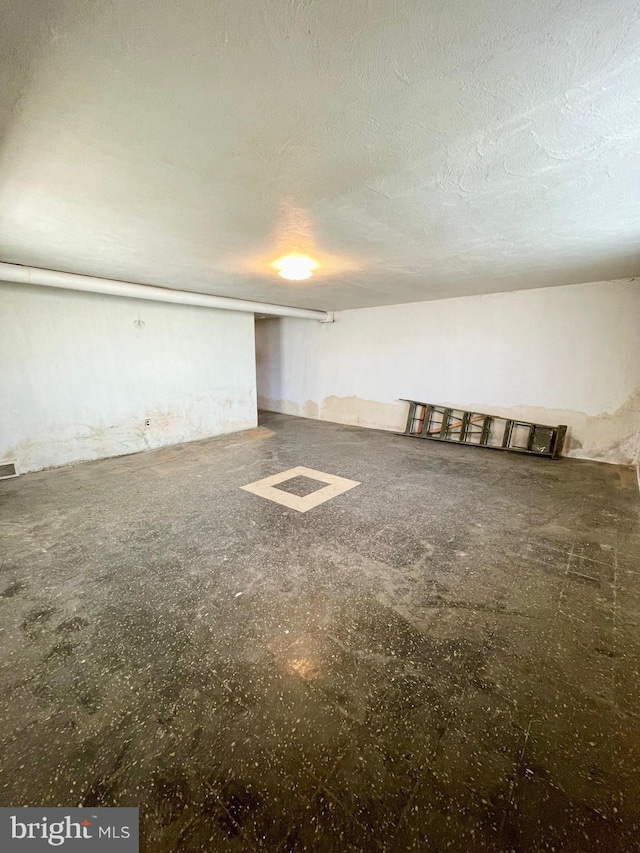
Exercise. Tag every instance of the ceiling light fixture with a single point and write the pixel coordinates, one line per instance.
(295, 267)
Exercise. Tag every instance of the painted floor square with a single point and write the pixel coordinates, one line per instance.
(267, 488)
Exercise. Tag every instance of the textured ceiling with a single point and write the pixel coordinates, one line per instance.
(418, 149)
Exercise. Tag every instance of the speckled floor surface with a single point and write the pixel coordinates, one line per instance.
(444, 658)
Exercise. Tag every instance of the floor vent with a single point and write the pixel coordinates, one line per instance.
(7, 470)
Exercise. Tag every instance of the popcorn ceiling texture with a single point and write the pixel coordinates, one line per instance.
(417, 150)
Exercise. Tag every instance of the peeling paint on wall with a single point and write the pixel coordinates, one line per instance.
(578, 346)
(83, 373)
(603, 438)
(65, 444)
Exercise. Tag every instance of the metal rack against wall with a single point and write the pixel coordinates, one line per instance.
(439, 423)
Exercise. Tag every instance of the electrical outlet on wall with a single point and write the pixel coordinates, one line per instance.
(147, 422)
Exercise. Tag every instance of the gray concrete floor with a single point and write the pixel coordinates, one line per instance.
(443, 658)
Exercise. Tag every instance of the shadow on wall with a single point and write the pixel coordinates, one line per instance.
(276, 371)
(268, 363)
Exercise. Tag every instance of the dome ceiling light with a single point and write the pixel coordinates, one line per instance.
(295, 267)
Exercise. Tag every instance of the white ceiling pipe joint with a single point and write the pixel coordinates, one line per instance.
(111, 287)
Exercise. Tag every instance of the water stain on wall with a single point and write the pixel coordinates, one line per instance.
(67, 444)
(608, 437)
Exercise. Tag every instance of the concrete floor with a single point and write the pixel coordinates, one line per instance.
(444, 657)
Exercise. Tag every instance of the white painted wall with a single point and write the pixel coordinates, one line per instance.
(554, 355)
(81, 373)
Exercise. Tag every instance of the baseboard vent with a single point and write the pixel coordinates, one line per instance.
(8, 470)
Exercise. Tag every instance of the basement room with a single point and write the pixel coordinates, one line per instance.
(320, 426)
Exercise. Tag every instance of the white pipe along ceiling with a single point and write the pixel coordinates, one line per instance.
(91, 284)
(413, 151)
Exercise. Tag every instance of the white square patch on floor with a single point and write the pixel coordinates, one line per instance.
(266, 488)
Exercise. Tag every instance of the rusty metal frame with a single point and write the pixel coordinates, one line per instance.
(442, 423)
